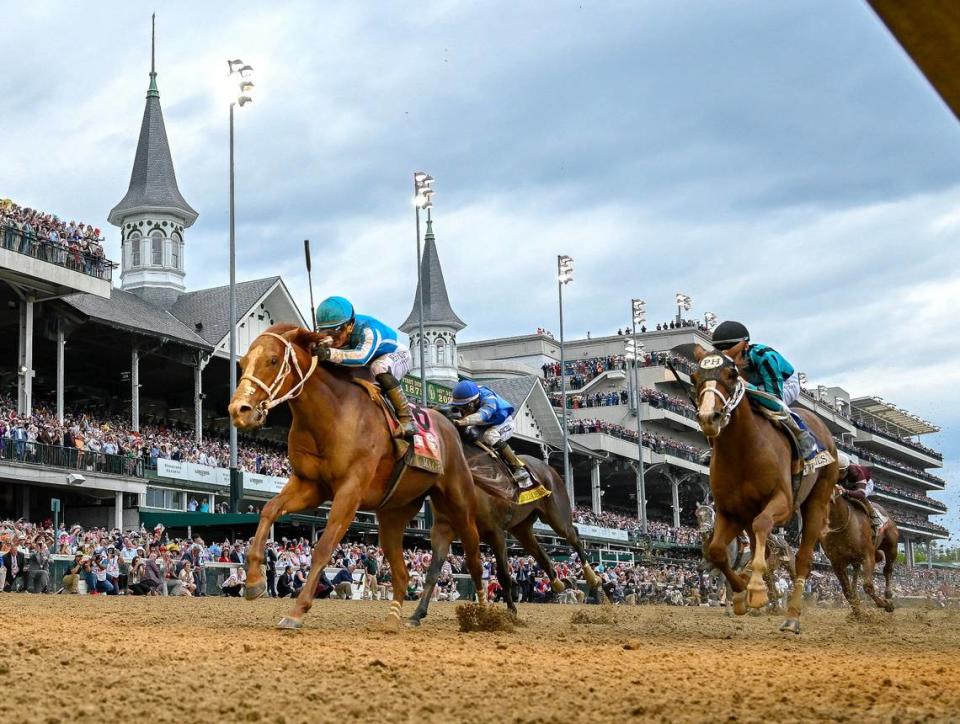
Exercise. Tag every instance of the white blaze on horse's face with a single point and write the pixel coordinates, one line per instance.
(245, 410)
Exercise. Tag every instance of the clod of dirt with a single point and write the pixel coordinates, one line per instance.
(631, 645)
(377, 663)
(599, 615)
(484, 618)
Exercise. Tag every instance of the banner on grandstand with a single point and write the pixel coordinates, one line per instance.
(178, 470)
(614, 534)
(263, 483)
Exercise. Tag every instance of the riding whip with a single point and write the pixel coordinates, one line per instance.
(313, 311)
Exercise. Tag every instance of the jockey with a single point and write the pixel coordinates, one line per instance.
(481, 407)
(357, 340)
(772, 381)
(857, 484)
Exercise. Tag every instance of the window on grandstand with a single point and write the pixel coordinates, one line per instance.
(135, 249)
(441, 351)
(160, 498)
(176, 252)
(156, 239)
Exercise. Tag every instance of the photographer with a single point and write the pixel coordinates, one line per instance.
(72, 577)
(39, 576)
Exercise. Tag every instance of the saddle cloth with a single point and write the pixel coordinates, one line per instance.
(424, 453)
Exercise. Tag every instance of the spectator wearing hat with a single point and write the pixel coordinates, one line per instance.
(14, 562)
(39, 565)
(71, 578)
(343, 582)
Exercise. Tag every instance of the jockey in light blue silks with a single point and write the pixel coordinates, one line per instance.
(357, 341)
(772, 381)
(488, 417)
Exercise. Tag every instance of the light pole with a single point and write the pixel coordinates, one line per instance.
(422, 199)
(564, 276)
(639, 312)
(244, 71)
(684, 304)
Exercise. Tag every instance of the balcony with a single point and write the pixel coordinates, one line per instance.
(919, 527)
(888, 445)
(616, 445)
(833, 418)
(919, 502)
(918, 477)
(51, 269)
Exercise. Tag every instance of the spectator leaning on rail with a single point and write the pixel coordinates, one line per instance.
(773, 382)
(358, 340)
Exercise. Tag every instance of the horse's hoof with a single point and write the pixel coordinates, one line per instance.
(888, 607)
(257, 590)
(289, 624)
(740, 603)
(413, 622)
(558, 586)
(757, 597)
(791, 625)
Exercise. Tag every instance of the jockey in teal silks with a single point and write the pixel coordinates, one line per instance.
(487, 416)
(358, 341)
(772, 381)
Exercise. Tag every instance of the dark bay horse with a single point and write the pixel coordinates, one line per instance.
(848, 541)
(340, 449)
(751, 480)
(495, 516)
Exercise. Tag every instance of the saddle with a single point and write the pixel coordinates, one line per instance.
(503, 481)
(882, 516)
(424, 453)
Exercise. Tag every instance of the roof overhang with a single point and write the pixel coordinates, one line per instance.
(224, 344)
(929, 31)
(893, 415)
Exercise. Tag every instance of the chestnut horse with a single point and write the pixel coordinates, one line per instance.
(340, 449)
(496, 515)
(848, 541)
(751, 480)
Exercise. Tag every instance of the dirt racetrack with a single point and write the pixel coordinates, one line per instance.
(80, 658)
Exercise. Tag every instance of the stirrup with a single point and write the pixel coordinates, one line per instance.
(407, 428)
(522, 478)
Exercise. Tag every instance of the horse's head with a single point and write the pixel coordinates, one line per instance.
(718, 385)
(275, 369)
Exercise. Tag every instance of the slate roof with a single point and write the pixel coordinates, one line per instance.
(153, 182)
(211, 307)
(126, 310)
(514, 390)
(436, 304)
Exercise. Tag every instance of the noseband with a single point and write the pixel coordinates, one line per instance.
(288, 365)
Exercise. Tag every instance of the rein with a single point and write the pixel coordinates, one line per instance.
(728, 404)
(287, 366)
(846, 522)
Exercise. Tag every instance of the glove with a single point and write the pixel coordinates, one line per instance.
(473, 434)
(323, 353)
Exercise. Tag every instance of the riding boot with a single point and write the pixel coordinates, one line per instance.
(806, 440)
(391, 388)
(520, 475)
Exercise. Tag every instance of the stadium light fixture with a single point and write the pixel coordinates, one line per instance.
(564, 276)
(710, 319)
(639, 308)
(565, 269)
(422, 199)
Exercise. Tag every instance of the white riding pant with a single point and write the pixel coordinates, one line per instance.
(398, 363)
(496, 434)
(791, 389)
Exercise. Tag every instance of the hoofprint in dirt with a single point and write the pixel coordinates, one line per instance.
(69, 658)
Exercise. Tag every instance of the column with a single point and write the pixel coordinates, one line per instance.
(929, 555)
(135, 389)
(595, 487)
(25, 502)
(212, 503)
(118, 510)
(908, 552)
(25, 358)
(675, 490)
(198, 401)
(61, 344)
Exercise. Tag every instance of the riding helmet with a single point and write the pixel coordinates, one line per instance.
(465, 392)
(730, 334)
(334, 312)
(843, 461)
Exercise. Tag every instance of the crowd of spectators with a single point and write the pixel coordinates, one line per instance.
(657, 443)
(656, 531)
(105, 442)
(45, 236)
(888, 462)
(919, 497)
(580, 372)
(654, 398)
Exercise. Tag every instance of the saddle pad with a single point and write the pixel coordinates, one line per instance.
(820, 460)
(424, 453)
(533, 494)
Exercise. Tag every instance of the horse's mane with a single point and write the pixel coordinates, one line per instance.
(305, 339)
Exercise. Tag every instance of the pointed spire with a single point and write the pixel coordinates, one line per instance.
(436, 304)
(153, 182)
(152, 91)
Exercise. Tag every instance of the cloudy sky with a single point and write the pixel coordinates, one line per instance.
(783, 163)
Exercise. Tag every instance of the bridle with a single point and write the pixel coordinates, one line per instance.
(289, 364)
(828, 530)
(727, 404)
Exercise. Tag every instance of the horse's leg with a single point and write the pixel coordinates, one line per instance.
(724, 531)
(392, 524)
(562, 523)
(440, 536)
(295, 496)
(814, 518)
(524, 534)
(849, 592)
(854, 582)
(498, 542)
(344, 508)
(869, 569)
(454, 504)
(777, 509)
(889, 558)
